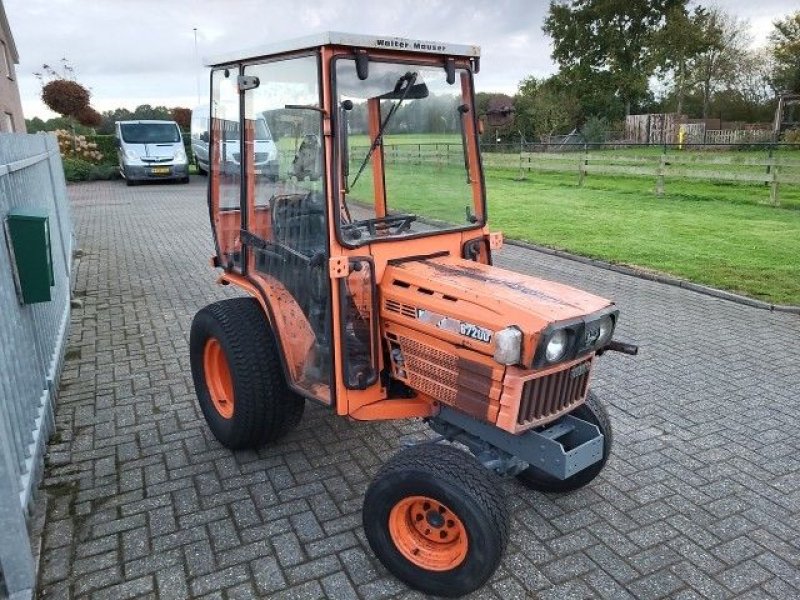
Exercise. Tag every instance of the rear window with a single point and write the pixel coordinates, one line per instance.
(150, 133)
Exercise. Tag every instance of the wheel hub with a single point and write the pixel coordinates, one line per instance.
(218, 378)
(428, 533)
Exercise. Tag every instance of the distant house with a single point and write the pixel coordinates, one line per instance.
(11, 118)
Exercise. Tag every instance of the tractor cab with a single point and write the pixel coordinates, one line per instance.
(377, 162)
(365, 252)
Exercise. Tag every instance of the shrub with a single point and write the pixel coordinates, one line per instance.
(77, 146)
(106, 146)
(76, 169)
(595, 130)
(792, 136)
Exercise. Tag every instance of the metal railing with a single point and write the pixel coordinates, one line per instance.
(32, 342)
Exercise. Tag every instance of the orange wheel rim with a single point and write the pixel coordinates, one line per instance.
(218, 378)
(428, 533)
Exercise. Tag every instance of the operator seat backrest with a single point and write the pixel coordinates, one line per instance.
(298, 222)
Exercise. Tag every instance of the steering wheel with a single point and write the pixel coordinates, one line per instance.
(391, 224)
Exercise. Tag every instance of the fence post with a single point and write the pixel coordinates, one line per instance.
(662, 167)
(774, 198)
(583, 161)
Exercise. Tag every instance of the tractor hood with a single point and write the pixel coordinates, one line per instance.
(468, 302)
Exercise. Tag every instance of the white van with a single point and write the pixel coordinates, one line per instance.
(266, 159)
(151, 150)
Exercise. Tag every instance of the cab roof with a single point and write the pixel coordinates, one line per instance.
(336, 38)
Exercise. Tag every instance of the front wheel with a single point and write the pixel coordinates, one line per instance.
(437, 519)
(591, 411)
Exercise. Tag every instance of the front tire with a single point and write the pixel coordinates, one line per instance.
(437, 519)
(592, 411)
(238, 377)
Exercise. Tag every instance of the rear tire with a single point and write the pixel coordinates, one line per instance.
(592, 411)
(238, 376)
(437, 519)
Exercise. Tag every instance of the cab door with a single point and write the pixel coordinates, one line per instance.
(285, 220)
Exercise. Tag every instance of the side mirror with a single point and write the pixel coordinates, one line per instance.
(204, 137)
(117, 143)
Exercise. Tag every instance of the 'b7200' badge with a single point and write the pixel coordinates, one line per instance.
(476, 332)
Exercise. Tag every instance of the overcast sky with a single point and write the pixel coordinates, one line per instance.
(131, 52)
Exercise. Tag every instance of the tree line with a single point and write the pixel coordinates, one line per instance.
(621, 57)
(104, 124)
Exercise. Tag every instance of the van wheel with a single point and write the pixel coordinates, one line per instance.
(130, 182)
(437, 519)
(238, 376)
(185, 179)
(592, 411)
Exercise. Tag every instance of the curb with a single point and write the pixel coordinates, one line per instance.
(660, 278)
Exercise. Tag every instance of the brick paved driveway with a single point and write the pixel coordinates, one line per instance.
(701, 497)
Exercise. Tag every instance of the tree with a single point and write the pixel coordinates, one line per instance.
(785, 47)
(717, 68)
(89, 117)
(182, 116)
(65, 97)
(684, 36)
(608, 43)
(545, 107)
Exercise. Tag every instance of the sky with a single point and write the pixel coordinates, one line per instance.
(131, 52)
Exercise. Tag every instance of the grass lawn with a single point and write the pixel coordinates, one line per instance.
(711, 234)
(717, 234)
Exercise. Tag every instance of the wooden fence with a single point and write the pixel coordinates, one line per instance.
(769, 170)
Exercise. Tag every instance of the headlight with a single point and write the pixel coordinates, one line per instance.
(508, 346)
(131, 153)
(556, 346)
(606, 326)
(180, 155)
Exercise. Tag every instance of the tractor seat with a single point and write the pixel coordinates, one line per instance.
(298, 222)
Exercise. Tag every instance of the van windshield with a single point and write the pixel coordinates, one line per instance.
(150, 133)
(231, 131)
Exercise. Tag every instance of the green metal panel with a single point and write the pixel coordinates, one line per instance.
(28, 231)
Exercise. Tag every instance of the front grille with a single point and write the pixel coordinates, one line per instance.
(553, 394)
(430, 370)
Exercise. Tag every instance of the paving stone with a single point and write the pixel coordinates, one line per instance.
(171, 583)
(700, 497)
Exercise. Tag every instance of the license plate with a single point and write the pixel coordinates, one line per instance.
(159, 171)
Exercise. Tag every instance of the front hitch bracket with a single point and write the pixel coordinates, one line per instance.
(561, 449)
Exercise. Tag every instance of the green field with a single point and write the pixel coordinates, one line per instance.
(714, 234)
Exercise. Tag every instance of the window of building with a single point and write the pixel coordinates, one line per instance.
(7, 124)
(6, 60)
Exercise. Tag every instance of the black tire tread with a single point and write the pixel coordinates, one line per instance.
(459, 468)
(267, 407)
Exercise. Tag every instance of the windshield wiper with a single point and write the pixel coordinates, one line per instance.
(409, 78)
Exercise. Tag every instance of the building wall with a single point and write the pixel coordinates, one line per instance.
(11, 117)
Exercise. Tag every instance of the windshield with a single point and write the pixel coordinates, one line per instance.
(403, 146)
(150, 133)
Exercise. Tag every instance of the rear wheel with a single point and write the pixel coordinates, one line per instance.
(238, 377)
(437, 519)
(592, 411)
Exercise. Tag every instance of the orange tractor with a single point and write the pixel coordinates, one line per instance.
(367, 264)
